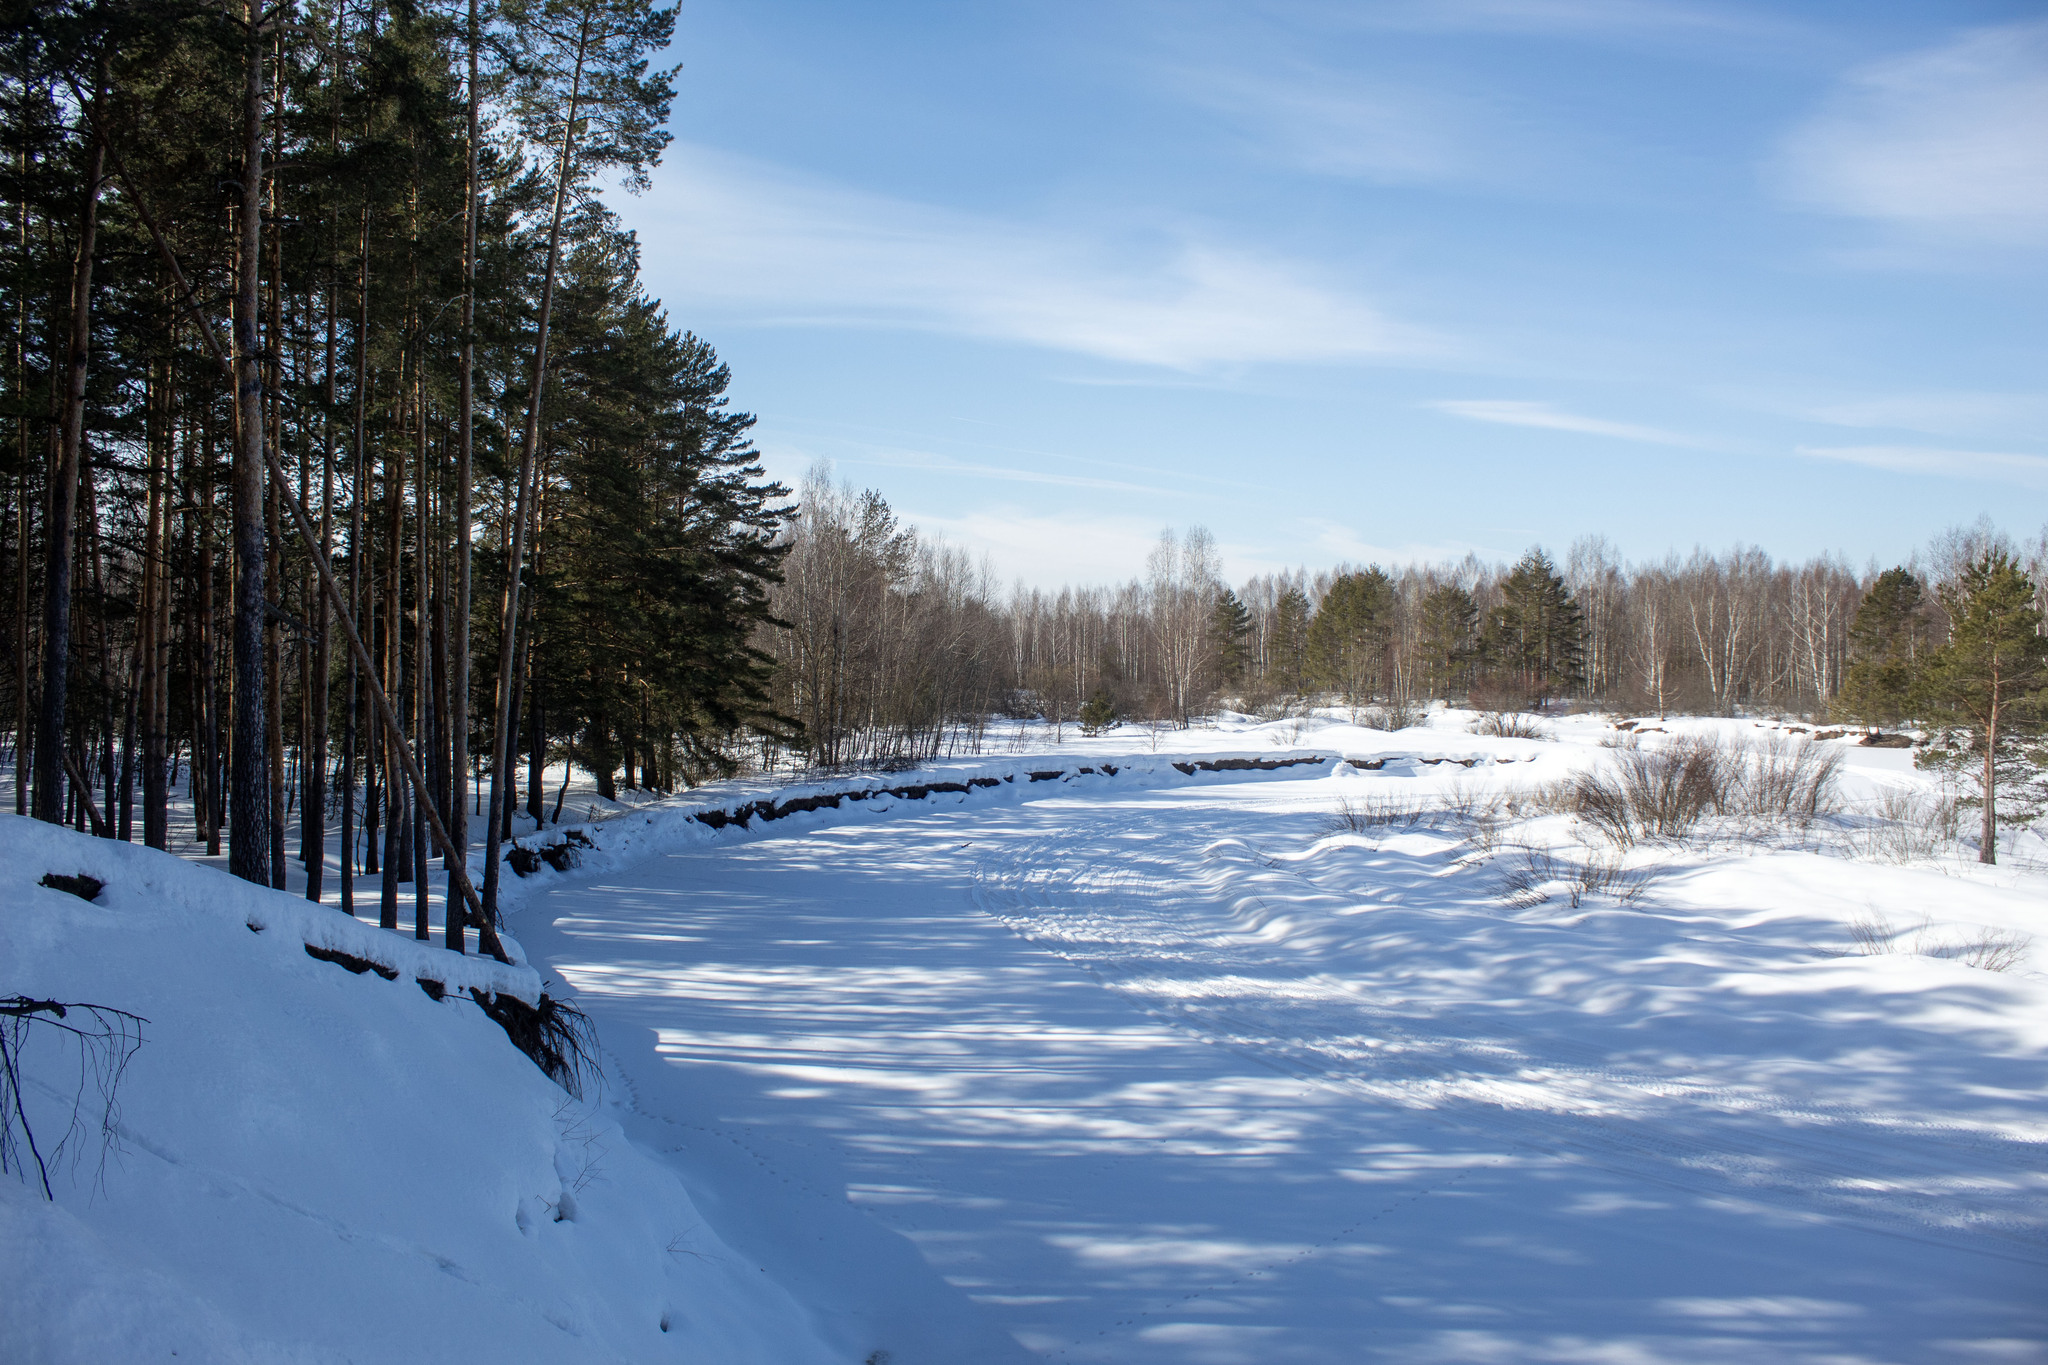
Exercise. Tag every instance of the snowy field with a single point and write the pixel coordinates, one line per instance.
(1145, 1067)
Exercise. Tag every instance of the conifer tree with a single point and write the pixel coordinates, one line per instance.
(1287, 652)
(1230, 630)
(1444, 646)
(1987, 679)
(582, 85)
(1888, 644)
(1352, 633)
(1533, 638)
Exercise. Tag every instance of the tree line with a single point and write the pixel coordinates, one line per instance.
(347, 463)
(896, 646)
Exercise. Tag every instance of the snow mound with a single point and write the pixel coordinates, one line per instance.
(309, 1164)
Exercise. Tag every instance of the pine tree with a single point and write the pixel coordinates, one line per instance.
(1230, 631)
(1353, 630)
(1888, 644)
(1445, 647)
(1533, 639)
(1287, 653)
(1986, 681)
(582, 87)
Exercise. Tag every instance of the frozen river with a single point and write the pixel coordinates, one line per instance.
(1169, 1076)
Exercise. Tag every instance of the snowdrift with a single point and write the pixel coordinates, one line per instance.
(310, 1164)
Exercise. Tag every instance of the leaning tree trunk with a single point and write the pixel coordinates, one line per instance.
(249, 779)
(63, 513)
(504, 739)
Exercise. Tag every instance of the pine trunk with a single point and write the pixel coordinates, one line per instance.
(63, 509)
(505, 735)
(458, 813)
(249, 779)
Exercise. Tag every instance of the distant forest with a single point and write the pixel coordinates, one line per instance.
(898, 645)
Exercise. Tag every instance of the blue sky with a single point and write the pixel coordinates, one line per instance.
(1375, 280)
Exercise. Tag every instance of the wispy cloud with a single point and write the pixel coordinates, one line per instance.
(1998, 416)
(774, 247)
(1599, 19)
(1510, 413)
(942, 464)
(1332, 123)
(2029, 471)
(1951, 141)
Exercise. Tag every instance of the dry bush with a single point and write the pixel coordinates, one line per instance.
(1375, 814)
(1778, 779)
(1657, 793)
(1872, 936)
(1665, 792)
(1524, 881)
(1484, 816)
(1509, 725)
(1289, 736)
(1479, 814)
(1990, 950)
(1901, 825)
(1390, 715)
(1993, 950)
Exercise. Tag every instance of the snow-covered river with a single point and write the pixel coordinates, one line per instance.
(1166, 1076)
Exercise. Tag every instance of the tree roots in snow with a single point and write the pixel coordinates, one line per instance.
(557, 1036)
(106, 1038)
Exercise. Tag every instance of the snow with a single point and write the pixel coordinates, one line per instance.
(314, 1165)
(1151, 1066)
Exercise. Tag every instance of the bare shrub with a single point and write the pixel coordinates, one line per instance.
(1872, 936)
(1375, 814)
(1391, 715)
(1994, 950)
(1509, 725)
(1525, 880)
(1782, 780)
(1665, 792)
(1485, 831)
(1901, 825)
(1289, 736)
(1990, 950)
(1484, 816)
(1657, 793)
(1481, 815)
